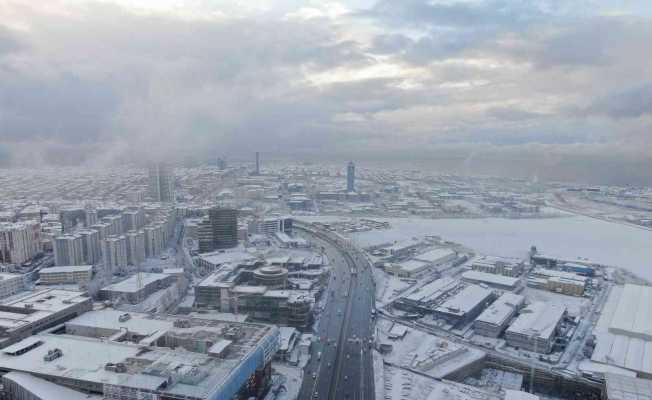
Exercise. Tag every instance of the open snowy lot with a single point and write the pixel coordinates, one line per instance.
(569, 237)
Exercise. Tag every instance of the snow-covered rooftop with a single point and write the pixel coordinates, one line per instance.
(432, 290)
(501, 309)
(43, 389)
(465, 300)
(538, 319)
(67, 268)
(435, 255)
(620, 347)
(134, 283)
(479, 276)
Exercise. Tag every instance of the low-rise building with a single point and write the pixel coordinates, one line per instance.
(136, 288)
(11, 284)
(465, 305)
(285, 307)
(493, 280)
(498, 265)
(39, 310)
(494, 320)
(558, 281)
(77, 274)
(536, 327)
(136, 356)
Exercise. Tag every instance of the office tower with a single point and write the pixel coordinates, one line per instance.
(19, 241)
(161, 183)
(91, 246)
(257, 163)
(135, 247)
(350, 177)
(68, 250)
(219, 230)
(115, 253)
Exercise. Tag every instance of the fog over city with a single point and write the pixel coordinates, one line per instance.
(536, 89)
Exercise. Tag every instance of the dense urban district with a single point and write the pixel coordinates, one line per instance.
(283, 281)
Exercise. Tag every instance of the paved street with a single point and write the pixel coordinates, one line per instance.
(341, 363)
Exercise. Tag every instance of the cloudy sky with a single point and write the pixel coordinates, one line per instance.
(537, 88)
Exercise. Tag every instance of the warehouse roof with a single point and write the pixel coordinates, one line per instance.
(625, 348)
(432, 290)
(67, 268)
(465, 300)
(43, 389)
(538, 319)
(633, 315)
(621, 387)
(501, 309)
(435, 255)
(493, 279)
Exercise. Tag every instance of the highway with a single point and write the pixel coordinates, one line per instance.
(341, 364)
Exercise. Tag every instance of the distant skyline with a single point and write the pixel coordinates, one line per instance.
(538, 89)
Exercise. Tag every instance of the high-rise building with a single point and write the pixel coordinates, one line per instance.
(154, 240)
(91, 217)
(115, 253)
(115, 223)
(68, 250)
(350, 177)
(257, 163)
(161, 183)
(103, 229)
(19, 241)
(219, 230)
(133, 219)
(72, 217)
(135, 247)
(221, 164)
(91, 246)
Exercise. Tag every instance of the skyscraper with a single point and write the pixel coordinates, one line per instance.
(219, 230)
(350, 177)
(161, 182)
(257, 163)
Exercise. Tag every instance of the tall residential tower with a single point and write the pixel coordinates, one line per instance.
(350, 177)
(161, 182)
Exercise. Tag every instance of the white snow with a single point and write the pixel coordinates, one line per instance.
(568, 237)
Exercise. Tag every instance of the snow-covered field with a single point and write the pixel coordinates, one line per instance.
(604, 242)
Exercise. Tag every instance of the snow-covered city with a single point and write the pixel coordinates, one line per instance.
(320, 281)
(325, 200)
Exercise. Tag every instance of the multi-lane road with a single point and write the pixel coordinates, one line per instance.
(340, 366)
